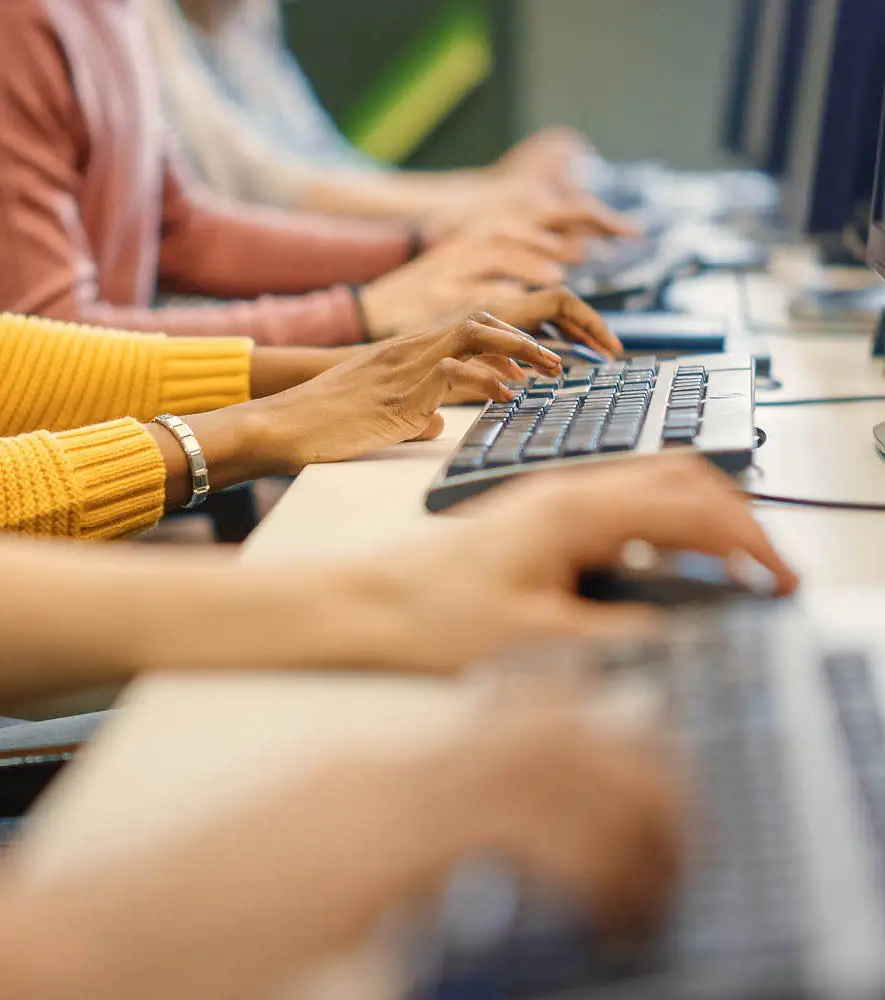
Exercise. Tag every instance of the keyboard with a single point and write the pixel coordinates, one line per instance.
(598, 413)
(773, 742)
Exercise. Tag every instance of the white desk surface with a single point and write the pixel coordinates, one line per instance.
(177, 736)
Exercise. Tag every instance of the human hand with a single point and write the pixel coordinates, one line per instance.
(508, 573)
(456, 277)
(593, 812)
(391, 392)
(553, 224)
(552, 155)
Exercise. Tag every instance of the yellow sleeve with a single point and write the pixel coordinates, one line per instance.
(55, 376)
(93, 483)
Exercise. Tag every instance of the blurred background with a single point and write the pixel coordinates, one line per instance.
(643, 78)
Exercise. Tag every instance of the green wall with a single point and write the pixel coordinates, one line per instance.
(641, 77)
(483, 126)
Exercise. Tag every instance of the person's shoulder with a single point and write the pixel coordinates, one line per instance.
(25, 11)
(22, 17)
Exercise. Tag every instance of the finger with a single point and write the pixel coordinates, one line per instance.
(569, 615)
(560, 247)
(479, 335)
(583, 324)
(498, 369)
(434, 428)
(504, 258)
(504, 367)
(574, 317)
(590, 216)
(453, 378)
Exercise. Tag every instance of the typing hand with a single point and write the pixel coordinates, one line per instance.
(551, 156)
(523, 547)
(391, 392)
(555, 226)
(453, 279)
(576, 320)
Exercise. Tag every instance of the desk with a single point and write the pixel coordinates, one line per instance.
(137, 784)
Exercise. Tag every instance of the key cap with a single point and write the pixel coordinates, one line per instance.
(582, 440)
(678, 435)
(467, 460)
(483, 435)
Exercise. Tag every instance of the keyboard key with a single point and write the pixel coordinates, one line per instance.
(679, 435)
(468, 459)
(583, 439)
(483, 435)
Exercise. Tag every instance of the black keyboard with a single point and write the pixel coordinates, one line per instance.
(595, 413)
(735, 931)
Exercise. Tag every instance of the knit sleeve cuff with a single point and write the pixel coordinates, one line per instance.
(117, 477)
(321, 319)
(200, 374)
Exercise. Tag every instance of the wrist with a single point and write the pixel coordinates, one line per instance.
(374, 310)
(276, 436)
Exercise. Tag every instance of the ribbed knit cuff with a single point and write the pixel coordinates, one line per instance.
(117, 477)
(200, 374)
(320, 319)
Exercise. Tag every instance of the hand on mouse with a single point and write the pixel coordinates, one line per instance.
(507, 572)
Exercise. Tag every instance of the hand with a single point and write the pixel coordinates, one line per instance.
(594, 813)
(553, 224)
(391, 392)
(508, 573)
(552, 155)
(454, 278)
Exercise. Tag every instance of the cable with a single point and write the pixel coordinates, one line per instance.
(825, 504)
(823, 401)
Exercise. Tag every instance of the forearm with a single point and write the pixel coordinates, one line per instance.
(275, 369)
(78, 617)
(215, 248)
(408, 197)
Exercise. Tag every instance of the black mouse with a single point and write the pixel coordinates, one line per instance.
(680, 584)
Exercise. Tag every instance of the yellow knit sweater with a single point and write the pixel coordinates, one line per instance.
(75, 459)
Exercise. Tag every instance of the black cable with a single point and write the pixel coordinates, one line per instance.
(823, 401)
(825, 504)
(805, 501)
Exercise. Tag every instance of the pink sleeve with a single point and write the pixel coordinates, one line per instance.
(213, 246)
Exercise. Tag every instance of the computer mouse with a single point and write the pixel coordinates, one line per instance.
(685, 581)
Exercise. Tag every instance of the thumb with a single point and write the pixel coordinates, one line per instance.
(584, 618)
(434, 428)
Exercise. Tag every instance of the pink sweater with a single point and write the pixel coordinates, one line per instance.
(96, 217)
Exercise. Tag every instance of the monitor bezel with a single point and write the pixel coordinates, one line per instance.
(819, 195)
(876, 244)
(738, 93)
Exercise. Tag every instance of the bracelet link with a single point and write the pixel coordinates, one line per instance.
(196, 460)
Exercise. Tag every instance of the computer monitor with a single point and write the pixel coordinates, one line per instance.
(830, 163)
(876, 245)
(774, 85)
(749, 26)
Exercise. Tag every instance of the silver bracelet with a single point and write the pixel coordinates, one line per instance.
(194, 454)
